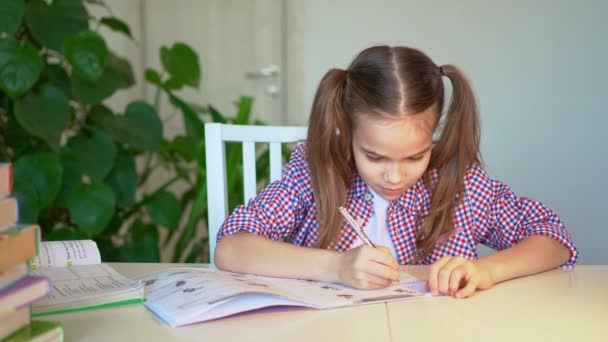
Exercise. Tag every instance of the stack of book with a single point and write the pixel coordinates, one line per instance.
(19, 289)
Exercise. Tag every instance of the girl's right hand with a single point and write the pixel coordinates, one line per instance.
(368, 268)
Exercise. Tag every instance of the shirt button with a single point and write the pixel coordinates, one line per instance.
(367, 196)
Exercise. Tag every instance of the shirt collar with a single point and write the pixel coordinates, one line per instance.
(411, 199)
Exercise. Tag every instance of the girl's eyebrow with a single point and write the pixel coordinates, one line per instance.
(370, 152)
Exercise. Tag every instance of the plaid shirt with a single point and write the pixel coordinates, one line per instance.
(490, 214)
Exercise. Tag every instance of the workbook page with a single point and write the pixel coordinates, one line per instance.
(186, 288)
(78, 282)
(66, 254)
(328, 295)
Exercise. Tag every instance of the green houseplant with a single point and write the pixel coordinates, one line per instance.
(75, 159)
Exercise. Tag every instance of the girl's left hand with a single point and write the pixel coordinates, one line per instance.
(458, 277)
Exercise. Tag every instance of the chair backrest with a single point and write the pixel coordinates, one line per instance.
(216, 135)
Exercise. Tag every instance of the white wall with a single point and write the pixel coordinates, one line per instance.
(539, 69)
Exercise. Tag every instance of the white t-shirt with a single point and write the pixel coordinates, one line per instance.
(377, 228)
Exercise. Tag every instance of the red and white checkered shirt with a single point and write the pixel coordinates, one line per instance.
(490, 214)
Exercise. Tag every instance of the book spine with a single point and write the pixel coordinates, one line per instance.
(6, 179)
(13, 274)
(10, 178)
(32, 285)
(18, 244)
(9, 212)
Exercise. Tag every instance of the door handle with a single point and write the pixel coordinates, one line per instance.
(271, 70)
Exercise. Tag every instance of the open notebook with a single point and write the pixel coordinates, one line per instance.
(183, 296)
(79, 280)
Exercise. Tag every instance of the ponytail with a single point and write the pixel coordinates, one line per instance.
(453, 153)
(329, 153)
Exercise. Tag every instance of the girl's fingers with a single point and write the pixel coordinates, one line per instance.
(383, 255)
(368, 281)
(376, 282)
(469, 288)
(444, 274)
(458, 276)
(434, 274)
(382, 271)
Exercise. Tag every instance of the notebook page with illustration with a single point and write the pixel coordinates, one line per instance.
(187, 295)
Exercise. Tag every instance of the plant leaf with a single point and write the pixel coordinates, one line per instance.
(43, 171)
(198, 209)
(45, 115)
(56, 75)
(96, 153)
(216, 116)
(243, 110)
(91, 206)
(51, 25)
(143, 246)
(194, 126)
(183, 147)
(20, 67)
(27, 197)
(117, 25)
(16, 136)
(181, 62)
(140, 127)
(116, 75)
(11, 14)
(165, 210)
(72, 174)
(87, 53)
(123, 179)
(153, 77)
(62, 234)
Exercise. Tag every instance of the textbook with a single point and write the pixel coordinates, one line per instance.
(25, 292)
(6, 179)
(14, 321)
(79, 280)
(18, 244)
(38, 331)
(9, 212)
(182, 296)
(13, 274)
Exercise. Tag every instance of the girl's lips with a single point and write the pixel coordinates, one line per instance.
(392, 192)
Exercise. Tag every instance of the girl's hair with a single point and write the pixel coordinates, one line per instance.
(391, 81)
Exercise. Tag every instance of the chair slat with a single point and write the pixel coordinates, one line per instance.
(217, 197)
(249, 178)
(264, 134)
(275, 161)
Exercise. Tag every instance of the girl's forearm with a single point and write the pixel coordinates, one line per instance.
(534, 254)
(248, 253)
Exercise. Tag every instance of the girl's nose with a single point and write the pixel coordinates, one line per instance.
(393, 174)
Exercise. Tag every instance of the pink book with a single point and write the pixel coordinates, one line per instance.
(23, 293)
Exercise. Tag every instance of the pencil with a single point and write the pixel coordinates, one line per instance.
(354, 225)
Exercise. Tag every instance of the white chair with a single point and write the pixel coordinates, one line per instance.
(216, 135)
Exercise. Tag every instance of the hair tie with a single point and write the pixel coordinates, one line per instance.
(441, 71)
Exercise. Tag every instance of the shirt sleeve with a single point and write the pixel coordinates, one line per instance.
(503, 219)
(277, 209)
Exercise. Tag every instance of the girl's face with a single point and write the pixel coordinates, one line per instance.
(392, 154)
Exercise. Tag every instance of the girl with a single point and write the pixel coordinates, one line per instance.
(371, 149)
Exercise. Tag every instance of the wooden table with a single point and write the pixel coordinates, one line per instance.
(559, 305)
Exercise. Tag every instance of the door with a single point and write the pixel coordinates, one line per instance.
(240, 46)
